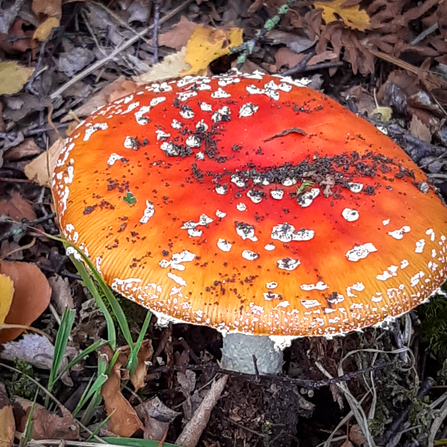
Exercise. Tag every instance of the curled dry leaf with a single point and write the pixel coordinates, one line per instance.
(46, 425)
(145, 353)
(123, 420)
(61, 293)
(31, 296)
(207, 45)
(7, 423)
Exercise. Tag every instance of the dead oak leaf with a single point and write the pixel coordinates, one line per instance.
(352, 16)
(179, 35)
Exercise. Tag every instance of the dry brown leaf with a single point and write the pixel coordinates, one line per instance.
(352, 16)
(41, 168)
(156, 417)
(52, 8)
(13, 77)
(46, 425)
(44, 29)
(179, 35)
(19, 38)
(123, 420)
(28, 148)
(31, 296)
(287, 58)
(16, 207)
(116, 89)
(419, 130)
(356, 435)
(144, 355)
(207, 45)
(7, 423)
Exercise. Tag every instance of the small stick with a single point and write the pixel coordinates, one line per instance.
(156, 26)
(115, 52)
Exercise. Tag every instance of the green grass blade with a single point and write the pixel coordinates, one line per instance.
(111, 332)
(98, 344)
(61, 343)
(134, 442)
(133, 360)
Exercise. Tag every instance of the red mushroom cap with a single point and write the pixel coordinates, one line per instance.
(249, 203)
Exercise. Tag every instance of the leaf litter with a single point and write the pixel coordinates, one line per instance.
(396, 47)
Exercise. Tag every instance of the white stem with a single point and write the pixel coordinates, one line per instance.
(238, 350)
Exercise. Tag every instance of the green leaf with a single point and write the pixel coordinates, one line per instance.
(130, 198)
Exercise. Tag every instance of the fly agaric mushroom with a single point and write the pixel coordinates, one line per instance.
(253, 205)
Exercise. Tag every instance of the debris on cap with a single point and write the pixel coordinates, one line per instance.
(250, 203)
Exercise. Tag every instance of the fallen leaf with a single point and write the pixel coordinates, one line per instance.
(46, 425)
(156, 417)
(123, 420)
(28, 148)
(171, 67)
(41, 168)
(179, 35)
(352, 16)
(31, 296)
(16, 207)
(38, 351)
(60, 293)
(144, 355)
(52, 8)
(287, 58)
(6, 294)
(7, 423)
(13, 77)
(356, 435)
(384, 112)
(44, 29)
(419, 130)
(207, 45)
(116, 89)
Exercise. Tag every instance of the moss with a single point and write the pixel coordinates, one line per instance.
(434, 325)
(19, 384)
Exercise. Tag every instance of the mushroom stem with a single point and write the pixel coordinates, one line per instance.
(238, 351)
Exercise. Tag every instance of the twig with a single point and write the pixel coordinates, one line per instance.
(156, 26)
(24, 226)
(305, 383)
(29, 85)
(115, 52)
(424, 34)
(300, 66)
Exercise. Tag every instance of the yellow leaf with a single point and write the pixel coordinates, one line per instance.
(44, 29)
(352, 16)
(13, 77)
(207, 45)
(385, 112)
(6, 294)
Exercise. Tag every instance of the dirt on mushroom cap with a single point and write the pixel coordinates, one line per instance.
(251, 203)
